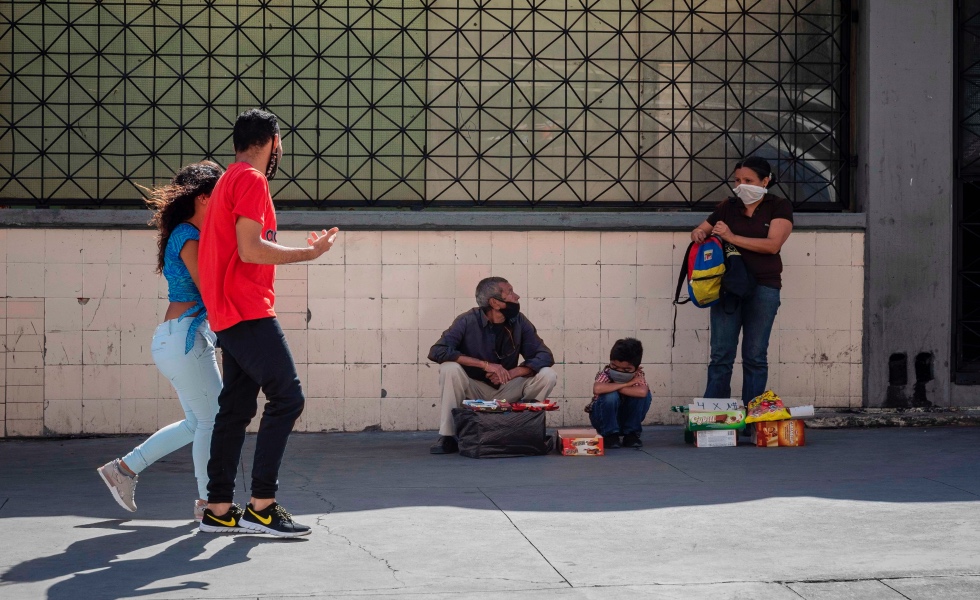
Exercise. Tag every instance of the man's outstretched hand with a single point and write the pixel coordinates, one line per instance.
(323, 241)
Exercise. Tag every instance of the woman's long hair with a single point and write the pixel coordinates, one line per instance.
(172, 204)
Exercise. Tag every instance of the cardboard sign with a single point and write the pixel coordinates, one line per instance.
(714, 405)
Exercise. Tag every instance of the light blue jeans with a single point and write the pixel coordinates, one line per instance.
(196, 378)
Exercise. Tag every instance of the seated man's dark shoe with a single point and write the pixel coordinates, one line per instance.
(632, 440)
(611, 441)
(446, 444)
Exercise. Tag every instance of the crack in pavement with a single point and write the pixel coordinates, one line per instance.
(526, 538)
(893, 589)
(5, 501)
(671, 466)
(878, 579)
(952, 486)
(786, 587)
(332, 507)
(784, 584)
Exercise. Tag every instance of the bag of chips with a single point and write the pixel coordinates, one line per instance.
(767, 407)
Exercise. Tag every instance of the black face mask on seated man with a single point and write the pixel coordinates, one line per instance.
(511, 310)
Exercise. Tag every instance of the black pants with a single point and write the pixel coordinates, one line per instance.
(255, 356)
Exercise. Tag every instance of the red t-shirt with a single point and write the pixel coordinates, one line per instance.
(235, 291)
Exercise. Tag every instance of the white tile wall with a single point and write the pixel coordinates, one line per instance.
(81, 307)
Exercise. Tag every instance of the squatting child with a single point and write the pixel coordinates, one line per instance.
(621, 397)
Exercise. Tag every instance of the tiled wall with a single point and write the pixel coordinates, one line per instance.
(80, 308)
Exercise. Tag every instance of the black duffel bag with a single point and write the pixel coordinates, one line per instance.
(501, 435)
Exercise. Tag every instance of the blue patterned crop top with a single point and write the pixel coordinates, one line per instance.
(181, 286)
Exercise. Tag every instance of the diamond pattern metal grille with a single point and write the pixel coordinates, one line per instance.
(495, 103)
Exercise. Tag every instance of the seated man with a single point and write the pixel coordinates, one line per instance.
(478, 357)
(621, 397)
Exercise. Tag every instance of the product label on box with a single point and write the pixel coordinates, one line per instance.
(580, 442)
(727, 419)
(715, 439)
(582, 446)
(790, 433)
(786, 433)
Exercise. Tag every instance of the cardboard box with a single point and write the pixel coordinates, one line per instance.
(717, 438)
(580, 442)
(784, 434)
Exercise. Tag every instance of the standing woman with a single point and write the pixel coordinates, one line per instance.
(758, 224)
(183, 345)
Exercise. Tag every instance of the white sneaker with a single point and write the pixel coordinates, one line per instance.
(122, 486)
(199, 506)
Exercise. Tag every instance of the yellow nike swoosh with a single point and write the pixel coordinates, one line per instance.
(264, 521)
(230, 523)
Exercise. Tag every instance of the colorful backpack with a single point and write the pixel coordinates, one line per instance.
(704, 266)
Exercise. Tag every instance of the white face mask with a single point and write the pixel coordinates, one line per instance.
(749, 194)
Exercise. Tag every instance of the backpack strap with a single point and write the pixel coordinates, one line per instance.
(681, 276)
(677, 293)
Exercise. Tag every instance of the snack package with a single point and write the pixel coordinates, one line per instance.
(486, 405)
(766, 407)
(716, 419)
(580, 442)
(780, 434)
(534, 406)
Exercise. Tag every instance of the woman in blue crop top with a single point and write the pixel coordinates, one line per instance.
(183, 345)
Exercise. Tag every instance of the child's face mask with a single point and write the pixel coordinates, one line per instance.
(619, 376)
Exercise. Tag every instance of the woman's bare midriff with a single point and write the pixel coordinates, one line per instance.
(178, 308)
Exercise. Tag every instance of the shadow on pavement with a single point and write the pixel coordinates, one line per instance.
(344, 472)
(54, 482)
(96, 570)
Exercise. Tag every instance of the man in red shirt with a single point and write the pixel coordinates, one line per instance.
(237, 257)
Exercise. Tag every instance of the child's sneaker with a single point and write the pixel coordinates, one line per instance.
(611, 441)
(274, 520)
(632, 440)
(230, 522)
(122, 486)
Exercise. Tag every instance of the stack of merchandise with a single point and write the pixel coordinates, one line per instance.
(712, 423)
(487, 405)
(504, 406)
(775, 425)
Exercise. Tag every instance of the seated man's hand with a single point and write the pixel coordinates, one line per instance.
(497, 374)
(516, 372)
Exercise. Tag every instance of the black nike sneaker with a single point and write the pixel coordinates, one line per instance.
(229, 522)
(274, 520)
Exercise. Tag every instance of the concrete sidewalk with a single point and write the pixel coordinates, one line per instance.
(869, 514)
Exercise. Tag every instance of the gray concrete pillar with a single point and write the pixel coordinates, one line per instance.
(904, 114)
